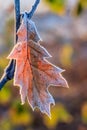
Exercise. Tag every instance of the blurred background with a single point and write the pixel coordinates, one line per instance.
(62, 25)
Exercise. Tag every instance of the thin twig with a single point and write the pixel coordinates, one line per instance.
(34, 7)
(10, 69)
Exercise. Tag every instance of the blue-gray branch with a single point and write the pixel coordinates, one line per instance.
(10, 69)
(34, 7)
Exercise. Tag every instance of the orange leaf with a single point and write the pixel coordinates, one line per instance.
(33, 73)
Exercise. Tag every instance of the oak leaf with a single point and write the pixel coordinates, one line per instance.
(33, 73)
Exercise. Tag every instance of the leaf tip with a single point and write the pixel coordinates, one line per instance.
(65, 84)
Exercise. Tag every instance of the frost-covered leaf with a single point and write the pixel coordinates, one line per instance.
(33, 73)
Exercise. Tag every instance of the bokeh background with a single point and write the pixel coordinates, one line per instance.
(62, 25)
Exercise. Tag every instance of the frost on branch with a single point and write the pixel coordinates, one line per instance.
(34, 74)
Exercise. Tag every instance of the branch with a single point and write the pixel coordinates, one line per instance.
(10, 69)
(34, 7)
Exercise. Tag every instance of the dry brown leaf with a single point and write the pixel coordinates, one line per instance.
(34, 74)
